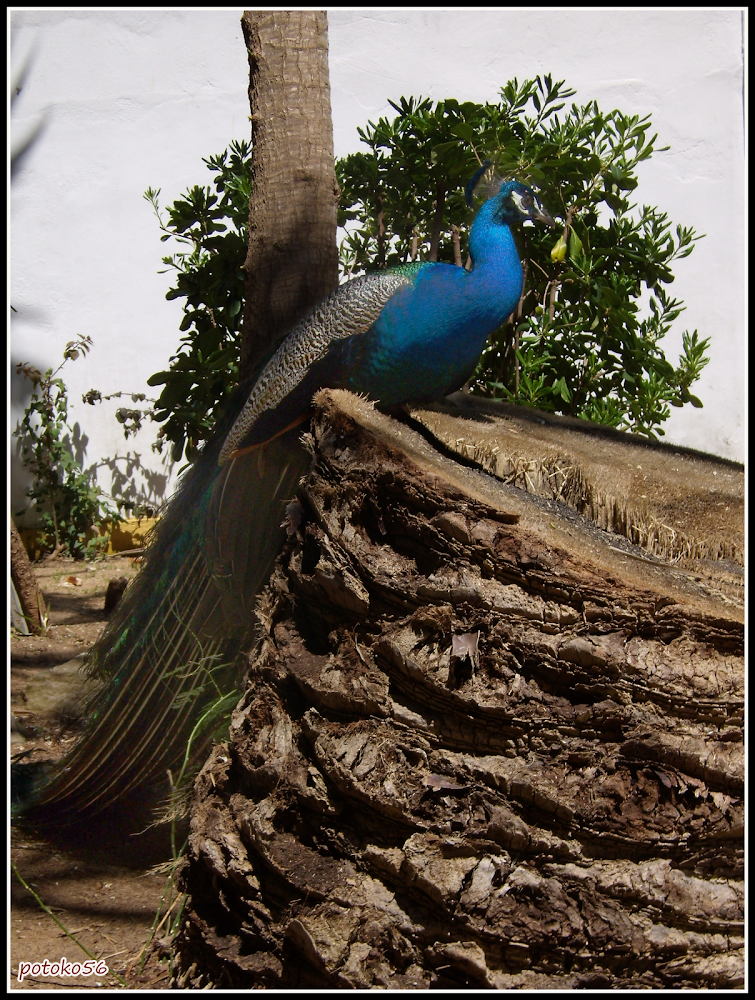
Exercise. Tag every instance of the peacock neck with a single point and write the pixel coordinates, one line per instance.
(496, 269)
(491, 242)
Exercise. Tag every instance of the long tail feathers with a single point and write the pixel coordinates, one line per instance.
(241, 548)
(170, 655)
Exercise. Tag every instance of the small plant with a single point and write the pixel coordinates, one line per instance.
(68, 503)
(130, 419)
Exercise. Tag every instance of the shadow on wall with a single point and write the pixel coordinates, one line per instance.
(20, 479)
(141, 488)
(133, 484)
(20, 388)
(150, 495)
(146, 497)
(23, 146)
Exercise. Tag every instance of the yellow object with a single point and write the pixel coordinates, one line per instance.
(130, 534)
(29, 536)
(559, 250)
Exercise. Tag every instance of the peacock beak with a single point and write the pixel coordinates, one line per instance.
(541, 215)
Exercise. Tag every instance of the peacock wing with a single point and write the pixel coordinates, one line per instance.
(282, 392)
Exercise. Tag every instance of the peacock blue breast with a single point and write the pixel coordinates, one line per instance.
(429, 337)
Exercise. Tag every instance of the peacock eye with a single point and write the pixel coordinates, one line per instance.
(528, 201)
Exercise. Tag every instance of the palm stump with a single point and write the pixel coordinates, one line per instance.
(492, 729)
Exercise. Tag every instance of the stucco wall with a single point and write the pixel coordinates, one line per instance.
(131, 99)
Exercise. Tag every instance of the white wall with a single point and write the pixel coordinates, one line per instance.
(131, 99)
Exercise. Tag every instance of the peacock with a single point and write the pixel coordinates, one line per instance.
(168, 659)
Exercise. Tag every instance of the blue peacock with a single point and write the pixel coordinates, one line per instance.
(169, 655)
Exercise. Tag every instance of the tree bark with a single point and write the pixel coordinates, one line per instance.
(492, 734)
(292, 260)
(22, 574)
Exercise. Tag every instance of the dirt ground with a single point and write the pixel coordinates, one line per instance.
(108, 909)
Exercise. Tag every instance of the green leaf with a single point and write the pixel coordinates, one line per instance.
(465, 131)
(575, 244)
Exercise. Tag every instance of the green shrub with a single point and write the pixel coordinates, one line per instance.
(580, 341)
(209, 276)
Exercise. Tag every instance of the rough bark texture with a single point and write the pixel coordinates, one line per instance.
(484, 742)
(292, 260)
(32, 602)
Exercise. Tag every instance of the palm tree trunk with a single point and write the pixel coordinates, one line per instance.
(292, 261)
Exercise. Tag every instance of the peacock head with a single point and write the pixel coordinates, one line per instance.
(506, 201)
(515, 202)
